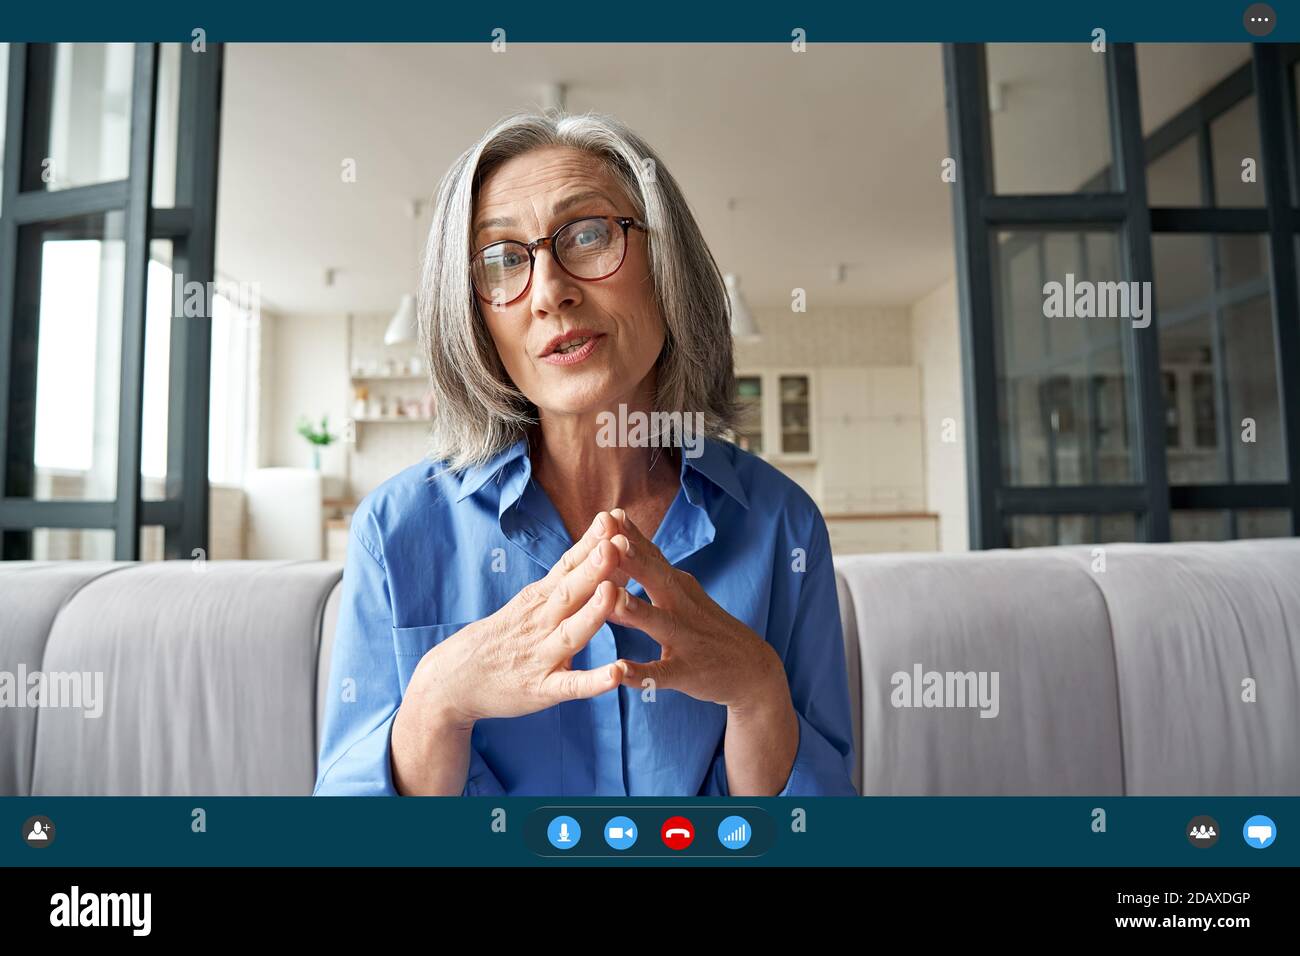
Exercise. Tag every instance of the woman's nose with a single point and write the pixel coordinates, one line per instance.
(554, 290)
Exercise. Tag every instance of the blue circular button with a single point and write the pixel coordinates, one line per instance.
(734, 833)
(564, 833)
(1259, 832)
(620, 832)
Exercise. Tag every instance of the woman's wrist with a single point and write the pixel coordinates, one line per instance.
(430, 749)
(762, 737)
(767, 689)
(428, 723)
(431, 690)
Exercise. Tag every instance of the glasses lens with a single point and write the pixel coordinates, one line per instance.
(501, 270)
(590, 248)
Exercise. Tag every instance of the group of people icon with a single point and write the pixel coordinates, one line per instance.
(1202, 833)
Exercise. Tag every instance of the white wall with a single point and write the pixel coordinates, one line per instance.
(305, 374)
(267, 402)
(383, 449)
(828, 337)
(936, 348)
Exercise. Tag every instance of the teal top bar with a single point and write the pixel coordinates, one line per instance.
(392, 21)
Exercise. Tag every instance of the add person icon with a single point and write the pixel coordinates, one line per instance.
(38, 831)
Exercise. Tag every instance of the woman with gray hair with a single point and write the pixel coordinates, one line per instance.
(584, 590)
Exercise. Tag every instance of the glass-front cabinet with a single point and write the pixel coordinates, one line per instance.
(776, 414)
(796, 414)
(852, 437)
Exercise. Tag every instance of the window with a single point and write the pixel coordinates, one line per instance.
(77, 335)
(234, 396)
(1217, 344)
(1063, 384)
(4, 99)
(1047, 114)
(1037, 531)
(1164, 417)
(157, 369)
(96, 370)
(233, 430)
(89, 119)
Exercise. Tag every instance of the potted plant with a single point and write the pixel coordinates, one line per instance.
(319, 438)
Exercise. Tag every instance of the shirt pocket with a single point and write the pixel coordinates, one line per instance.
(412, 643)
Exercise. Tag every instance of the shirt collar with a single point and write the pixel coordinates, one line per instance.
(475, 477)
(716, 463)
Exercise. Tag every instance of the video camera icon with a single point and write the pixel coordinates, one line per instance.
(620, 833)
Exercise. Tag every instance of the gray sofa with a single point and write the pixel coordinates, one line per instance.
(1135, 679)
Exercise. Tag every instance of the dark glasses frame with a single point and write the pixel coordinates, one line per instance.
(624, 222)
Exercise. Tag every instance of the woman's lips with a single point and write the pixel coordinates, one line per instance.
(580, 354)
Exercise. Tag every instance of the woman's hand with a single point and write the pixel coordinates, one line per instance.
(706, 653)
(514, 662)
(517, 661)
(709, 655)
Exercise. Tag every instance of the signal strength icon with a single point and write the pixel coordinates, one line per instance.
(734, 833)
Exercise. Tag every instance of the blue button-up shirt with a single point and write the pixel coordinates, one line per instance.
(431, 551)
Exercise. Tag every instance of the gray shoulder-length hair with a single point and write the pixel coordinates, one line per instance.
(479, 411)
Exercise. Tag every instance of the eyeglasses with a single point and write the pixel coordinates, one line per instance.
(589, 249)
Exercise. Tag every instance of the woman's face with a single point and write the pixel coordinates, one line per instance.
(531, 196)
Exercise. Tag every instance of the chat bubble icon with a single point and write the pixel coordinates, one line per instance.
(1260, 833)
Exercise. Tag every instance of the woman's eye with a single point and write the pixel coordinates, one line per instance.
(590, 236)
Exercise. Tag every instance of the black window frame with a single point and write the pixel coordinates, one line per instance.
(979, 212)
(190, 225)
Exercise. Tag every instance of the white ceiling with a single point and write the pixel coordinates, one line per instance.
(832, 155)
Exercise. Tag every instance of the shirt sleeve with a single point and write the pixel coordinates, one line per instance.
(365, 691)
(818, 677)
(715, 781)
(815, 668)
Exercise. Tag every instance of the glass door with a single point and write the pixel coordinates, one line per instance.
(1127, 296)
(107, 193)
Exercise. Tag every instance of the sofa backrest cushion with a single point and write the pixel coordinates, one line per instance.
(31, 594)
(1036, 621)
(1199, 630)
(209, 681)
